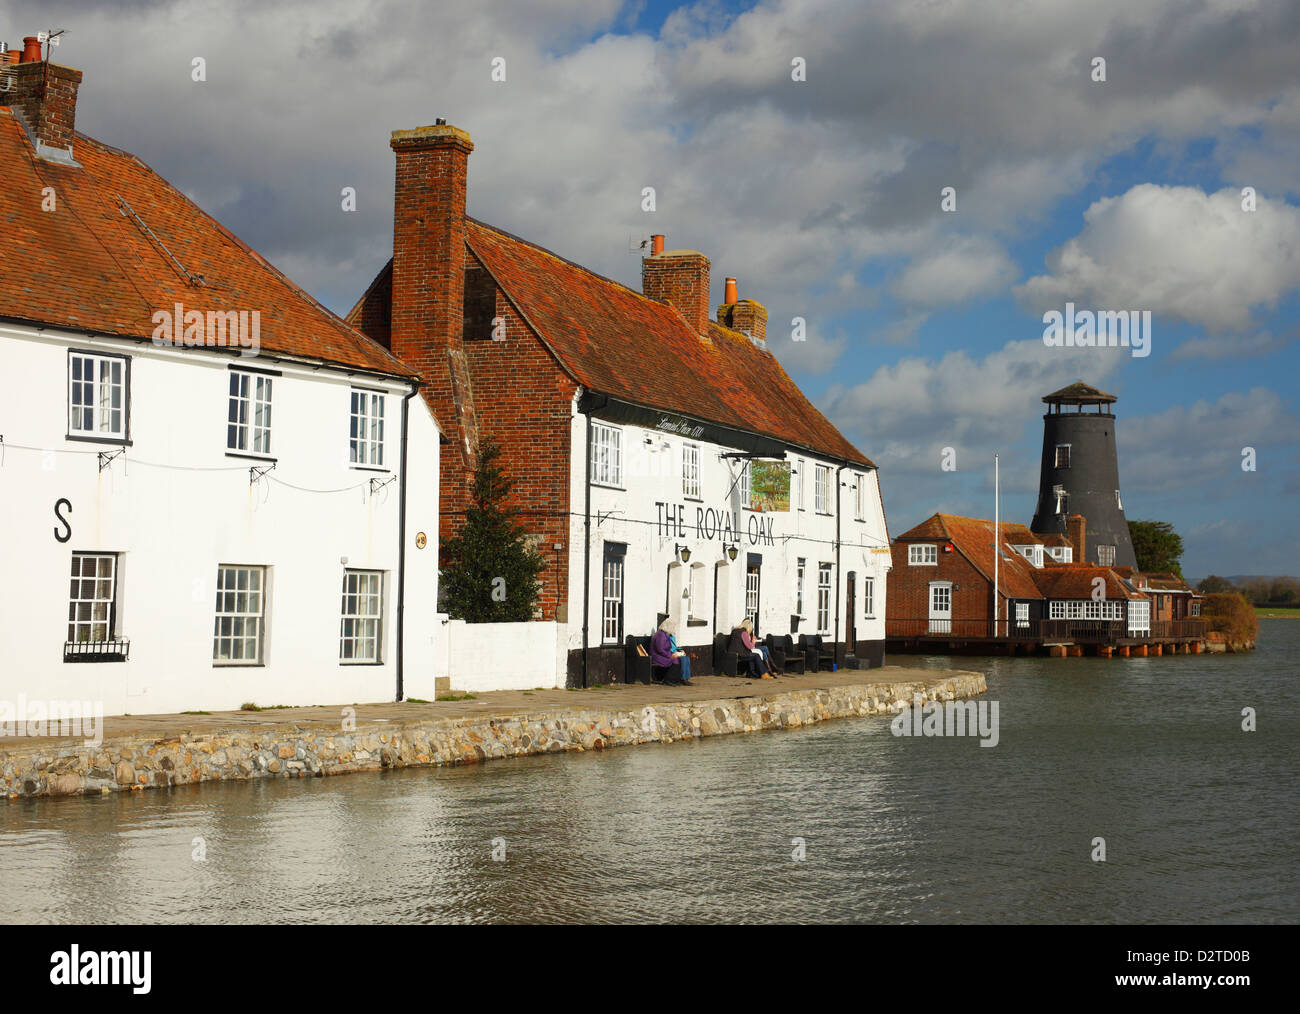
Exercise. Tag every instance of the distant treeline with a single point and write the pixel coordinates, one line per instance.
(1259, 591)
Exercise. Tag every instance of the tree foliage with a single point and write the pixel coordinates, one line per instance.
(1231, 615)
(1158, 547)
(1215, 585)
(489, 568)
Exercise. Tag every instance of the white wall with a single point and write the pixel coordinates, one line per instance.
(653, 474)
(506, 656)
(174, 525)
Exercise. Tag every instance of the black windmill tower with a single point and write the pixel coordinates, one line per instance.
(1080, 474)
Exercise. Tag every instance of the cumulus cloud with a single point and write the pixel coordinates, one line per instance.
(960, 269)
(904, 414)
(1175, 251)
(1203, 442)
(784, 184)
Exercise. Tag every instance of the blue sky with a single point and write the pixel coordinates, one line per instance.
(822, 196)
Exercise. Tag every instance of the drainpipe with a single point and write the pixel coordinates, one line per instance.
(586, 545)
(401, 547)
(837, 563)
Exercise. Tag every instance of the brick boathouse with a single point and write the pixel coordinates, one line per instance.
(640, 433)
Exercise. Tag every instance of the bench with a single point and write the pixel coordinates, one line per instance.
(819, 655)
(637, 668)
(725, 663)
(784, 655)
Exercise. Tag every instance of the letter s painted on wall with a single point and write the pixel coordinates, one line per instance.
(67, 525)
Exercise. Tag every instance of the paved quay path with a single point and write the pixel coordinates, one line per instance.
(147, 751)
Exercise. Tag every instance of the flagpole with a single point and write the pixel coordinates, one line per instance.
(997, 547)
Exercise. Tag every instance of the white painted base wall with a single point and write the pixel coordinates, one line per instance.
(506, 656)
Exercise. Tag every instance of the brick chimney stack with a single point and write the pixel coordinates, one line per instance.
(429, 271)
(681, 279)
(1076, 529)
(743, 315)
(45, 98)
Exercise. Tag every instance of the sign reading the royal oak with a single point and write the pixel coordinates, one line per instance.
(714, 525)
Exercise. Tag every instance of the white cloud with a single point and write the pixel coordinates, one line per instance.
(904, 414)
(961, 268)
(1177, 251)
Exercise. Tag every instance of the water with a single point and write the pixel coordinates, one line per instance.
(1199, 818)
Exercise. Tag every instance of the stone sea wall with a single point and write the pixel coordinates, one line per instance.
(317, 749)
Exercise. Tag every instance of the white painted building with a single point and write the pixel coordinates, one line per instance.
(193, 527)
(673, 532)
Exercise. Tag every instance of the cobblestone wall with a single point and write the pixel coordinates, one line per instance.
(301, 750)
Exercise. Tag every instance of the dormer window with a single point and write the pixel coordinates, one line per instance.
(923, 555)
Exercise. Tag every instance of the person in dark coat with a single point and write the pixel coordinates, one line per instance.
(750, 658)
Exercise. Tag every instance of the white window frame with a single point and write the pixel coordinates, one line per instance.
(99, 418)
(252, 615)
(612, 586)
(746, 478)
(248, 415)
(801, 566)
(860, 509)
(691, 471)
(1057, 458)
(606, 455)
(1022, 615)
(869, 597)
(361, 618)
(92, 598)
(366, 428)
(753, 579)
(803, 468)
(823, 598)
(1139, 616)
(822, 489)
(923, 554)
(1105, 555)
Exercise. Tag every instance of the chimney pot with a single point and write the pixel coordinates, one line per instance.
(730, 290)
(31, 50)
(656, 245)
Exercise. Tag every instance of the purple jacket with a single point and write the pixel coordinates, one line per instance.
(660, 652)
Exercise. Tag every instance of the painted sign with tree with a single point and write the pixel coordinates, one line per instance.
(769, 486)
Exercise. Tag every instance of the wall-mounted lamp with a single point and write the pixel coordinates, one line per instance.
(683, 552)
(731, 552)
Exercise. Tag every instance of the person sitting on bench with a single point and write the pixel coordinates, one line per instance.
(665, 655)
(742, 643)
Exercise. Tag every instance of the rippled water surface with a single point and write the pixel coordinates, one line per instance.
(1200, 821)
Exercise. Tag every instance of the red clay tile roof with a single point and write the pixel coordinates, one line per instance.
(973, 538)
(89, 267)
(1075, 581)
(614, 340)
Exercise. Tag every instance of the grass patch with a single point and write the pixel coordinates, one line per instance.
(417, 700)
(457, 697)
(250, 706)
(196, 712)
(1288, 612)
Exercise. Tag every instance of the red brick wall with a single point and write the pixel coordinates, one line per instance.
(682, 281)
(428, 273)
(524, 401)
(51, 112)
(909, 587)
